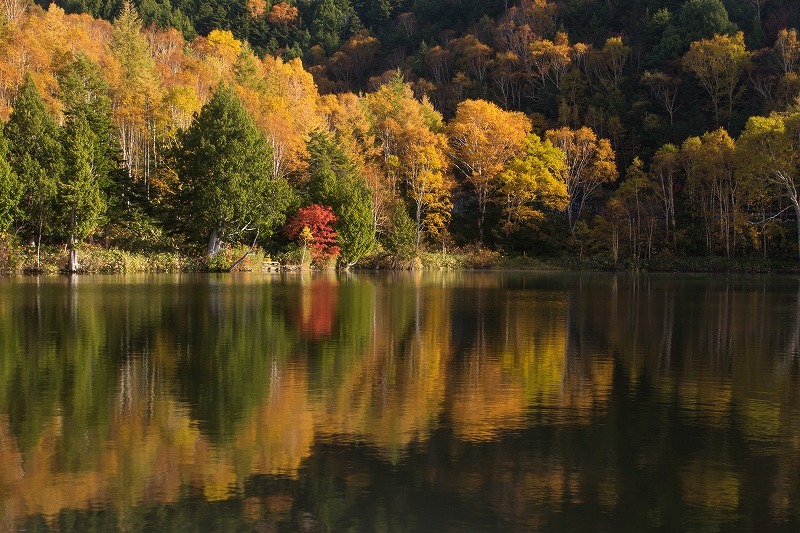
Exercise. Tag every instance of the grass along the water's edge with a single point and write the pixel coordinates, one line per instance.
(16, 260)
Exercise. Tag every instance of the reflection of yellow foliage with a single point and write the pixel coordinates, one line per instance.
(489, 401)
(280, 433)
(391, 399)
(219, 481)
(153, 451)
(535, 349)
(33, 485)
(707, 401)
(385, 391)
(533, 370)
(761, 419)
(712, 486)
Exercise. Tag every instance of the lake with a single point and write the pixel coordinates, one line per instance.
(400, 402)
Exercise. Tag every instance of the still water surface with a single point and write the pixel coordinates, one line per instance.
(400, 402)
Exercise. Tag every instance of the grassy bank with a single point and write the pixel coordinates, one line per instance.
(491, 260)
(16, 259)
(662, 264)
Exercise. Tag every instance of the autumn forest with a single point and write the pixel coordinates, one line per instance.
(208, 134)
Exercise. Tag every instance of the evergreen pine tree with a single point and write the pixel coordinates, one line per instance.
(223, 164)
(81, 198)
(10, 189)
(335, 182)
(35, 156)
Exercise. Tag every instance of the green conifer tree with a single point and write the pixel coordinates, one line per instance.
(35, 155)
(10, 188)
(223, 164)
(81, 198)
(335, 181)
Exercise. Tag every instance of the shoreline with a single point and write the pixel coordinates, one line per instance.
(97, 260)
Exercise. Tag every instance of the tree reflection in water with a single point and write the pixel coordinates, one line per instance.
(400, 401)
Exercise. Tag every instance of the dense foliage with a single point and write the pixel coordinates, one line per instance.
(630, 129)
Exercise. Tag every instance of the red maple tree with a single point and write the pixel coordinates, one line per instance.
(319, 220)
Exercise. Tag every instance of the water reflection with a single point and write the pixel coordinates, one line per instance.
(399, 401)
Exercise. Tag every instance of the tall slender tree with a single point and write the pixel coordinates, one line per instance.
(589, 164)
(136, 98)
(769, 152)
(82, 201)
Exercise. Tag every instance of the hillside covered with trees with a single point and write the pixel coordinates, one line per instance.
(376, 130)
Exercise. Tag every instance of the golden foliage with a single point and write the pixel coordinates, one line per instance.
(719, 63)
(282, 14)
(256, 8)
(483, 138)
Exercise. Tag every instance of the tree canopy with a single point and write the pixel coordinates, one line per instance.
(423, 126)
(224, 164)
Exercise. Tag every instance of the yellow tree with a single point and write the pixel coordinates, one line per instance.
(664, 170)
(551, 59)
(199, 72)
(136, 97)
(787, 56)
(412, 148)
(386, 110)
(473, 57)
(769, 152)
(425, 173)
(636, 201)
(787, 51)
(423, 169)
(38, 45)
(287, 111)
(483, 138)
(346, 116)
(221, 50)
(175, 64)
(607, 64)
(710, 177)
(532, 182)
(13, 10)
(718, 63)
(589, 164)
